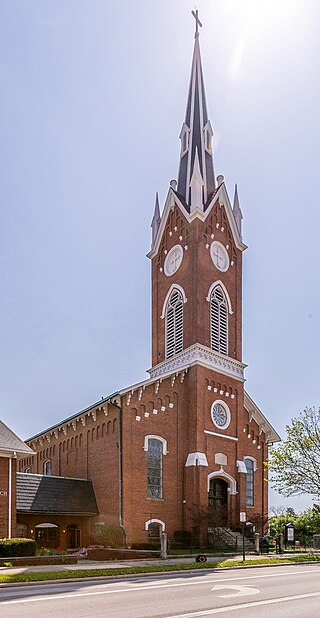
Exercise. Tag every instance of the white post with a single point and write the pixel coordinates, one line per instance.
(257, 542)
(163, 540)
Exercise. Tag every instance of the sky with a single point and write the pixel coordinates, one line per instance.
(93, 97)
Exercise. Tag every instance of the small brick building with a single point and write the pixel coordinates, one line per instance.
(11, 448)
(189, 440)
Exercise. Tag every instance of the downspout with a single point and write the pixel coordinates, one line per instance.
(10, 499)
(120, 472)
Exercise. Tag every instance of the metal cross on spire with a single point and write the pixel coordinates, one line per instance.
(198, 22)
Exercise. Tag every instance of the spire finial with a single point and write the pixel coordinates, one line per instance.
(198, 23)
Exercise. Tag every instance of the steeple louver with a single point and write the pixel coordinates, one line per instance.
(196, 135)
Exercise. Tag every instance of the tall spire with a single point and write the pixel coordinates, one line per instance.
(196, 134)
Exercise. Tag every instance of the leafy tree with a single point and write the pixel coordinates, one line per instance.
(109, 535)
(295, 463)
(306, 523)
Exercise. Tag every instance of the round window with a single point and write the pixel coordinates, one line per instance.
(220, 414)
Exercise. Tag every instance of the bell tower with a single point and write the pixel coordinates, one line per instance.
(196, 250)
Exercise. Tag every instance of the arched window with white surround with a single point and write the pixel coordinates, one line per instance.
(174, 323)
(156, 447)
(250, 467)
(155, 527)
(219, 320)
(47, 468)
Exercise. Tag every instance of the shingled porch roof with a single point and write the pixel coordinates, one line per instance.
(55, 495)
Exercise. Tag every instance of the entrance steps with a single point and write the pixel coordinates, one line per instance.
(229, 539)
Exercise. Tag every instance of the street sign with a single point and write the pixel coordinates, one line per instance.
(243, 517)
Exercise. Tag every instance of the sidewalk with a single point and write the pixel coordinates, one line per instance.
(117, 564)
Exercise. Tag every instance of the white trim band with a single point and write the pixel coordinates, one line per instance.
(220, 435)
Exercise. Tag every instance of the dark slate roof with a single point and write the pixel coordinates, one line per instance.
(55, 494)
(196, 119)
(9, 441)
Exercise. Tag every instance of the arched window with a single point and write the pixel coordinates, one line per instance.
(249, 463)
(155, 527)
(154, 465)
(174, 324)
(47, 468)
(219, 320)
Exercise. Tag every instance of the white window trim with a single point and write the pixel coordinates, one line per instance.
(207, 129)
(174, 286)
(227, 409)
(155, 521)
(47, 461)
(153, 437)
(227, 477)
(252, 459)
(184, 131)
(213, 286)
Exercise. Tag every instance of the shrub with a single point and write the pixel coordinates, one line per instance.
(17, 547)
(109, 535)
(45, 551)
(146, 545)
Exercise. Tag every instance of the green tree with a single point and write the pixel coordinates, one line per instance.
(294, 464)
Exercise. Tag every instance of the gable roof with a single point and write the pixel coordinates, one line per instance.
(11, 444)
(55, 494)
(259, 417)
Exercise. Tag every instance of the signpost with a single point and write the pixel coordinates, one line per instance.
(243, 519)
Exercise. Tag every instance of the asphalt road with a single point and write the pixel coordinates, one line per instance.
(282, 591)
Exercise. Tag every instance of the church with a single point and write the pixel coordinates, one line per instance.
(162, 454)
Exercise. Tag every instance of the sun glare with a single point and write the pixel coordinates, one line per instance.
(257, 24)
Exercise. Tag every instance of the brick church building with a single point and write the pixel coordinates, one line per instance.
(155, 455)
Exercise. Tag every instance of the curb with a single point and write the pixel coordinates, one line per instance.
(155, 573)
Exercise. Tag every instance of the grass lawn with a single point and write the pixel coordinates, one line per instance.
(56, 575)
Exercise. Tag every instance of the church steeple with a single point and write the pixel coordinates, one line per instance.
(196, 136)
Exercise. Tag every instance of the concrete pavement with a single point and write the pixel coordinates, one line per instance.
(117, 564)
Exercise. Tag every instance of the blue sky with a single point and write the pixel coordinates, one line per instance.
(92, 102)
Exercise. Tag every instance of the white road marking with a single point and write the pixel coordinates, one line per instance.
(230, 608)
(241, 591)
(147, 586)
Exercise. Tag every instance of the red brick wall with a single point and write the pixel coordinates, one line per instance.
(62, 521)
(195, 276)
(4, 496)
(186, 489)
(87, 448)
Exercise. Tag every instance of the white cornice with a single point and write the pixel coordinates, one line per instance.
(199, 354)
(259, 417)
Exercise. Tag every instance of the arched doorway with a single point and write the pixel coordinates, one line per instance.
(47, 535)
(218, 502)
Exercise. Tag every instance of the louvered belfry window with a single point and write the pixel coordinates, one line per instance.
(174, 324)
(219, 321)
